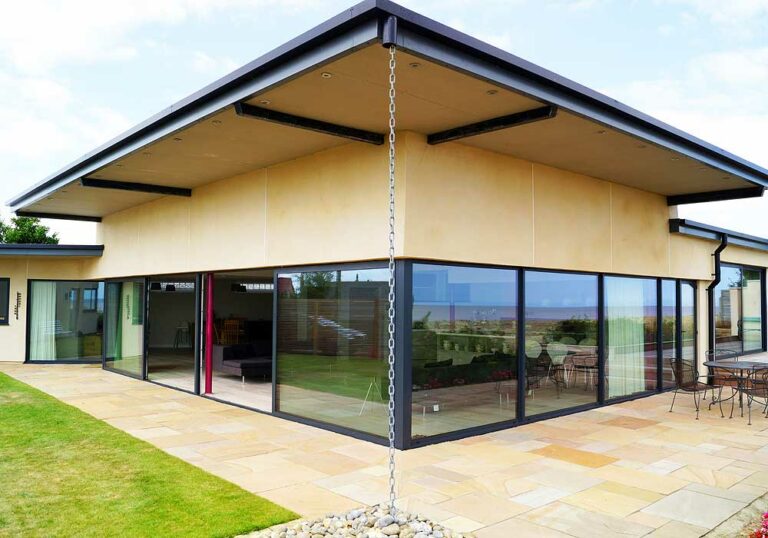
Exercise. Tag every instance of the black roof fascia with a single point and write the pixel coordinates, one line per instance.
(419, 35)
(713, 233)
(24, 249)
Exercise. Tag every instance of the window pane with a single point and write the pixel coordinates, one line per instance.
(332, 347)
(688, 320)
(62, 326)
(752, 323)
(560, 341)
(668, 329)
(4, 300)
(464, 347)
(125, 327)
(728, 333)
(631, 324)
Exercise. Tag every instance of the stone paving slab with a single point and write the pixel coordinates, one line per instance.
(631, 469)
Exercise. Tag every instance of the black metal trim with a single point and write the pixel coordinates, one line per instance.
(713, 233)
(678, 325)
(135, 187)
(403, 353)
(601, 340)
(275, 292)
(62, 216)
(660, 329)
(24, 249)
(389, 31)
(198, 340)
(246, 110)
(493, 124)
(522, 359)
(715, 196)
(64, 361)
(7, 321)
(763, 309)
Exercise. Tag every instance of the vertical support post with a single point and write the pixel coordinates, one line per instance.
(198, 340)
(601, 354)
(209, 333)
(659, 333)
(403, 353)
(763, 310)
(679, 319)
(521, 358)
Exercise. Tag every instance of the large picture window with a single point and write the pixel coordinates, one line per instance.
(561, 359)
(464, 347)
(62, 324)
(738, 303)
(332, 347)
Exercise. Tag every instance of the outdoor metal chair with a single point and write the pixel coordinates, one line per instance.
(687, 379)
(755, 387)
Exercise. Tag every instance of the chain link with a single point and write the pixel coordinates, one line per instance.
(391, 311)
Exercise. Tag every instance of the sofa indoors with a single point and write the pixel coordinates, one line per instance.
(253, 359)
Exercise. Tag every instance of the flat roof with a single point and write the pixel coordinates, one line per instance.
(594, 134)
(714, 233)
(74, 251)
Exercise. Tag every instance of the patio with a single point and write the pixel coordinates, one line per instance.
(632, 469)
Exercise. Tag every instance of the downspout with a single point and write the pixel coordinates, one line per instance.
(711, 289)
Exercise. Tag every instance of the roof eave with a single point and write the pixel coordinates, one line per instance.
(72, 251)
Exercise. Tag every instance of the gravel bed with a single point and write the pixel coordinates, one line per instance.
(372, 522)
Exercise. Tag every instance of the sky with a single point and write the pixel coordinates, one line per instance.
(75, 73)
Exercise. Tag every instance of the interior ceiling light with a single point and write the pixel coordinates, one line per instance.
(675, 158)
(265, 102)
(326, 74)
(492, 92)
(147, 153)
(216, 122)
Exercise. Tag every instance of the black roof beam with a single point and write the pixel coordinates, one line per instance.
(318, 126)
(494, 124)
(135, 187)
(61, 216)
(715, 196)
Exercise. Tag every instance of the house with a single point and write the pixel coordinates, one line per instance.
(540, 266)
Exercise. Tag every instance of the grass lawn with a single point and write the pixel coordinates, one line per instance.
(65, 473)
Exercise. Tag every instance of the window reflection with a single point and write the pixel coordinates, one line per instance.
(464, 347)
(560, 341)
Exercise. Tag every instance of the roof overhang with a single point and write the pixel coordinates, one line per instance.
(713, 233)
(450, 87)
(69, 251)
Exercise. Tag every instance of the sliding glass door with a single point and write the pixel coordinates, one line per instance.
(124, 327)
(738, 306)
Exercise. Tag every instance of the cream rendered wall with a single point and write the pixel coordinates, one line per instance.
(20, 270)
(328, 207)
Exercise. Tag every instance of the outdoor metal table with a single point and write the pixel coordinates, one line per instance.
(738, 369)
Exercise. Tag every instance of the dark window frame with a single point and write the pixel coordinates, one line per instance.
(763, 307)
(7, 319)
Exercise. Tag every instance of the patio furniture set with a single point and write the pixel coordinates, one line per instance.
(746, 380)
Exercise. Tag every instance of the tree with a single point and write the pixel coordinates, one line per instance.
(27, 230)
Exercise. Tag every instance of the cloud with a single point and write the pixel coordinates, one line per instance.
(719, 97)
(208, 65)
(736, 19)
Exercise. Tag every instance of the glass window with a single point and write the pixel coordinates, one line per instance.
(668, 329)
(688, 319)
(124, 350)
(752, 304)
(560, 341)
(738, 310)
(5, 292)
(464, 347)
(61, 327)
(332, 347)
(631, 330)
